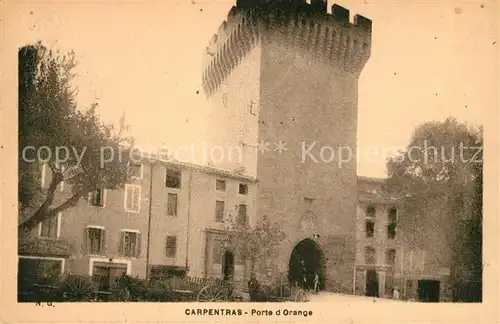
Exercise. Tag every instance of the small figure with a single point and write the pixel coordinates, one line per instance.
(395, 292)
(316, 283)
(253, 288)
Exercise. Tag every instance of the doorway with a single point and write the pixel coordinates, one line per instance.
(228, 265)
(428, 291)
(305, 261)
(106, 275)
(372, 285)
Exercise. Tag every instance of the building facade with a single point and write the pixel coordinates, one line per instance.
(385, 258)
(107, 234)
(166, 221)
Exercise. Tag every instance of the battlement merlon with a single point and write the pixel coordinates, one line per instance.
(329, 36)
(242, 9)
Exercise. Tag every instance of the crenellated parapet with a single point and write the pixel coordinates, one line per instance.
(328, 37)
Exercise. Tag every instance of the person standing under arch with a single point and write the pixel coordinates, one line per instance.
(316, 283)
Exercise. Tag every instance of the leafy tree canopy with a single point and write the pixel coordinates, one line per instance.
(258, 244)
(49, 117)
(439, 180)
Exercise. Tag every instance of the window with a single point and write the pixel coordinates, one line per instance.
(49, 228)
(391, 230)
(369, 228)
(243, 190)
(97, 197)
(370, 212)
(173, 179)
(242, 214)
(390, 257)
(253, 108)
(369, 255)
(393, 215)
(219, 211)
(130, 244)
(135, 171)
(220, 185)
(392, 224)
(96, 240)
(171, 246)
(132, 198)
(171, 204)
(106, 274)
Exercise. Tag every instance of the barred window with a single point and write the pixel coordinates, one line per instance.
(171, 246)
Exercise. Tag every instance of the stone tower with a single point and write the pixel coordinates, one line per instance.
(287, 72)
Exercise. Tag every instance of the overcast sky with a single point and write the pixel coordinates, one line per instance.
(430, 60)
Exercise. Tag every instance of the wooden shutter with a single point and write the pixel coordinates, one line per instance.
(121, 244)
(136, 198)
(103, 241)
(138, 246)
(125, 200)
(53, 225)
(86, 240)
(104, 194)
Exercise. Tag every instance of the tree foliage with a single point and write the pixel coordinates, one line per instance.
(439, 180)
(258, 244)
(49, 117)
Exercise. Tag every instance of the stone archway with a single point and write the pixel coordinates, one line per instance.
(305, 260)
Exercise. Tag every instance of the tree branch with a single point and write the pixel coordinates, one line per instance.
(47, 212)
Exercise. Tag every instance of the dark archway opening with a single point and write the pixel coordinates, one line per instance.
(305, 261)
(228, 266)
(428, 290)
(372, 288)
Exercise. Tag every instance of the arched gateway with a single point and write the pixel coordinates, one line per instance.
(305, 261)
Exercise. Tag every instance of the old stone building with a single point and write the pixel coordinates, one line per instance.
(167, 219)
(286, 72)
(386, 260)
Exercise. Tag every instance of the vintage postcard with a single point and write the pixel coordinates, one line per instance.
(249, 161)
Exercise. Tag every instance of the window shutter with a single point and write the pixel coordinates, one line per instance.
(104, 194)
(166, 245)
(121, 244)
(137, 198)
(86, 241)
(138, 245)
(125, 192)
(53, 225)
(103, 240)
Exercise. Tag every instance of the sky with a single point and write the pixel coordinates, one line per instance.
(430, 60)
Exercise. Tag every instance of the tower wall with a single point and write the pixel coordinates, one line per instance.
(305, 67)
(231, 125)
